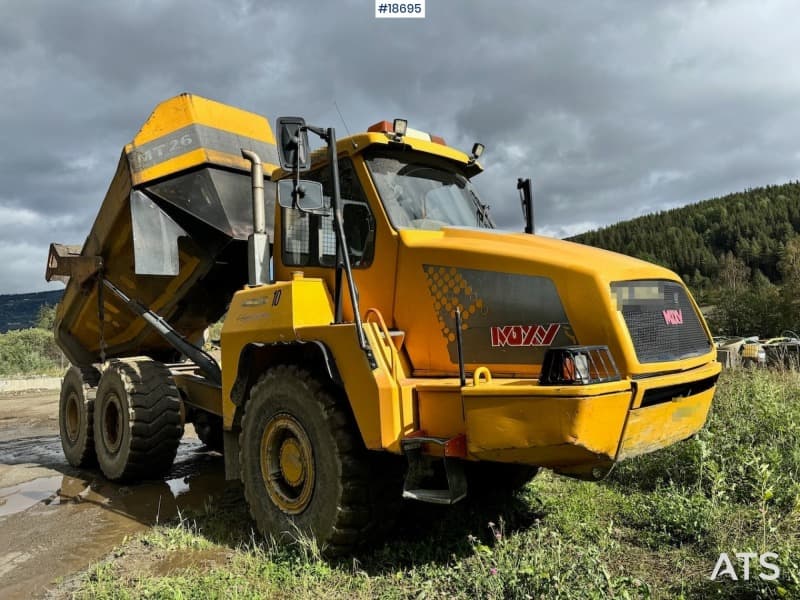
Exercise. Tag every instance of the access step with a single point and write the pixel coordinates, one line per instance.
(422, 481)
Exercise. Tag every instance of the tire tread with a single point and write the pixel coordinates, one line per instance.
(154, 421)
(366, 505)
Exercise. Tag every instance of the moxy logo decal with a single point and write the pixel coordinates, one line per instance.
(524, 335)
(672, 316)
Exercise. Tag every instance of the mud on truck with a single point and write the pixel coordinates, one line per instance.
(382, 339)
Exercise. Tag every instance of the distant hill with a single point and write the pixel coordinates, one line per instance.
(753, 225)
(19, 311)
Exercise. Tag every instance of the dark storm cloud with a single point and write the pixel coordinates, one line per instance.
(614, 109)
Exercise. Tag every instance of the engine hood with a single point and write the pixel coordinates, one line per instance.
(529, 253)
(519, 295)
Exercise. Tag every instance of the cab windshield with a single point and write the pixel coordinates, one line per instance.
(423, 192)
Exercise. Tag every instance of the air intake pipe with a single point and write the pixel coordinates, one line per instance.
(258, 241)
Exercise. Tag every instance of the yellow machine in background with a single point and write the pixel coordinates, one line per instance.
(382, 339)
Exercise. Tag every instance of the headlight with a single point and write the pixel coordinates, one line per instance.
(578, 365)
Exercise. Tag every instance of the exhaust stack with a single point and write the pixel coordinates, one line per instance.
(257, 242)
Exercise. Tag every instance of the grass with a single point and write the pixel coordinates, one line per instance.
(654, 529)
(26, 352)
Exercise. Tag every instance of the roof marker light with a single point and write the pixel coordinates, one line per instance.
(400, 129)
(380, 127)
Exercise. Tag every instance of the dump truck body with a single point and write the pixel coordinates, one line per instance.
(171, 232)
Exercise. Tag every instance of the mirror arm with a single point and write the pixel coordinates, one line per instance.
(342, 256)
(322, 133)
(296, 176)
(336, 201)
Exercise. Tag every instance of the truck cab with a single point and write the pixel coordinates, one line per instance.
(578, 357)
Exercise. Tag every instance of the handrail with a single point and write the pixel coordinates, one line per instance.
(388, 345)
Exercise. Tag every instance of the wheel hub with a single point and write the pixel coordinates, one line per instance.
(291, 461)
(112, 423)
(72, 417)
(287, 464)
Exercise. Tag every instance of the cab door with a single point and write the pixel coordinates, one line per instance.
(306, 241)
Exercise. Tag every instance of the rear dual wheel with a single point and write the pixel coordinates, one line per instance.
(75, 416)
(137, 420)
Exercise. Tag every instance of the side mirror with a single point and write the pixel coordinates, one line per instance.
(308, 196)
(293, 148)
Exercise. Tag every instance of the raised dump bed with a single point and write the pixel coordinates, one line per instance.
(171, 233)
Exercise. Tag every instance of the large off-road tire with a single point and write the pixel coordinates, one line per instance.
(137, 420)
(487, 479)
(305, 469)
(75, 411)
(209, 429)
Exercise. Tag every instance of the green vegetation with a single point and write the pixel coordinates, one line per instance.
(47, 317)
(654, 529)
(30, 352)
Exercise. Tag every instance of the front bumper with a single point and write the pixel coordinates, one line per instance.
(583, 430)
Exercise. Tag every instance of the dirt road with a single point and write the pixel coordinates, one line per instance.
(56, 520)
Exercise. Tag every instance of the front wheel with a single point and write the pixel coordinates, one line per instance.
(303, 466)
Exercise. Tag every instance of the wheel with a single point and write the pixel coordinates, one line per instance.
(489, 478)
(137, 424)
(209, 429)
(304, 467)
(75, 408)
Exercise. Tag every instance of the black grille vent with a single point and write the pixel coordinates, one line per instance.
(683, 390)
(661, 320)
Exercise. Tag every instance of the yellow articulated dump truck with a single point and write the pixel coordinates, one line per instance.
(382, 340)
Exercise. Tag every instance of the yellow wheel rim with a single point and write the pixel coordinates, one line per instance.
(72, 416)
(112, 423)
(287, 464)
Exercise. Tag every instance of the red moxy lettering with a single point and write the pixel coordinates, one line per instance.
(673, 316)
(524, 335)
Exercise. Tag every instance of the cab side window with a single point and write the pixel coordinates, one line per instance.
(309, 238)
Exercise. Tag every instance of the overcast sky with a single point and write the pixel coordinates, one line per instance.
(614, 109)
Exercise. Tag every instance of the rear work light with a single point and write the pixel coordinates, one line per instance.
(578, 365)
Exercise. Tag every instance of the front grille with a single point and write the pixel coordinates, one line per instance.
(661, 320)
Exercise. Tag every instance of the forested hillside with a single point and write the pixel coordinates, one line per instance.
(20, 311)
(696, 240)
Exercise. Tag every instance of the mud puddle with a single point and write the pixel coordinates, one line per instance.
(147, 503)
(17, 498)
(56, 520)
